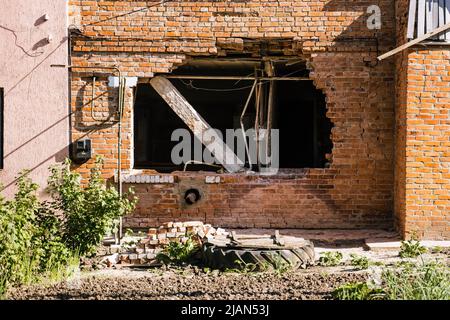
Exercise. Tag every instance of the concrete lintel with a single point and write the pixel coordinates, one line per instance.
(388, 244)
(129, 82)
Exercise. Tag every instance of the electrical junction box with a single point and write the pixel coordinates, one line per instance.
(82, 150)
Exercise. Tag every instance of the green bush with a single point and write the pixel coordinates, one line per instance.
(19, 258)
(45, 238)
(330, 259)
(177, 252)
(359, 262)
(411, 249)
(89, 212)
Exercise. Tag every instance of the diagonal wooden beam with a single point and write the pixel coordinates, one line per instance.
(195, 122)
(415, 41)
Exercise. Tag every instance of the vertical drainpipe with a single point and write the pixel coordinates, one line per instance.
(119, 145)
(69, 79)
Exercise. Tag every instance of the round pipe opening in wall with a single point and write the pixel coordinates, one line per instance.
(192, 196)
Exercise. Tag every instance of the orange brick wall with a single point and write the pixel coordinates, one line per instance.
(427, 152)
(422, 194)
(355, 192)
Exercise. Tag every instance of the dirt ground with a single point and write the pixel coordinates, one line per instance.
(191, 284)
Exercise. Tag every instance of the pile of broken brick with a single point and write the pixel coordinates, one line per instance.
(180, 232)
(143, 250)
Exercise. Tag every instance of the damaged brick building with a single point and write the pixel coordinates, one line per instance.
(349, 141)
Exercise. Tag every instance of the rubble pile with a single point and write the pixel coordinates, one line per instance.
(143, 250)
(180, 232)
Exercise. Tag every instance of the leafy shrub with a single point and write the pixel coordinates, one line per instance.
(89, 212)
(18, 258)
(411, 249)
(48, 239)
(357, 291)
(330, 258)
(359, 262)
(44, 238)
(177, 252)
(280, 266)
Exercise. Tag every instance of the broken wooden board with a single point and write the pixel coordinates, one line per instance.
(414, 42)
(268, 242)
(196, 123)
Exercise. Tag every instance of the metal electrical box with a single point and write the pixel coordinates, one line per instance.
(81, 150)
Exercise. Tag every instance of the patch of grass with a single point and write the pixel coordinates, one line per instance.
(437, 249)
(58, 272)
(128, 232)
(359, 262)
(178, 253)
(128, 245)
(280, 266)
(404, 264)
(207, 270)
(406, 281)
(427, 281)
(357, 291)
(330, 258)
(411, 249)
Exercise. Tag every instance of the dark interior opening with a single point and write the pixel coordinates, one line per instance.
(299, 112)
(304, 128)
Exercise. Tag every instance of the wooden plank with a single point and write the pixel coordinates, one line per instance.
(435, 16)
(441, 17)
(195, 122)
(412, 18)
(447, 18)
(435, 10)
(414, 42)
(421, 18)
(429, 15)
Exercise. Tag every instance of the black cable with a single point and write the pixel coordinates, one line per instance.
(190, 85)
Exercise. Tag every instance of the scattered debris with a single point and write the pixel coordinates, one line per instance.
(142, 250)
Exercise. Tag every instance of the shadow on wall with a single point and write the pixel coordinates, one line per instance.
(64, 40)
(59, 156)
(88, 123)
(362, 29)
(36, 136)
(16, 40)
(352, 35)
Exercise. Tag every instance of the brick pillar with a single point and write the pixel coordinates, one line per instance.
(423, 143)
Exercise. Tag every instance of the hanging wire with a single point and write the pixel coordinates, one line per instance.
(192, 86)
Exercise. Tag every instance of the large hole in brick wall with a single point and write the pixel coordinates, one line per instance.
(298, 110)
